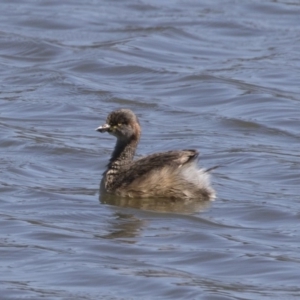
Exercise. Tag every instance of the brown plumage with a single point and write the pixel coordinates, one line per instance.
(172, 174)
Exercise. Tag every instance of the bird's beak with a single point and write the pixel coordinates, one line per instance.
(103, 128)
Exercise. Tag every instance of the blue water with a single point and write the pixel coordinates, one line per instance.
(218, 76)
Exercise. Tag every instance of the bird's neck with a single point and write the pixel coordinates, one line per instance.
(120, 161)
(123, 153)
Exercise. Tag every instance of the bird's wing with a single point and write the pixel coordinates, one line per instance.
(156, 161)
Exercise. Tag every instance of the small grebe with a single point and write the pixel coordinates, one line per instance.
(171, 174)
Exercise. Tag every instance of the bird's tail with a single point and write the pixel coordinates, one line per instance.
(212, 168)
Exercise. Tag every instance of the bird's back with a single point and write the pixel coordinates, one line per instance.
(172, 174)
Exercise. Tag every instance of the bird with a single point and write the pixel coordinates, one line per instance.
(172, 174)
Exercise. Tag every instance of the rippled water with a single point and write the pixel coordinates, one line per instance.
(218, 76)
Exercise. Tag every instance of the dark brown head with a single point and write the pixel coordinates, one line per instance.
(123, 124)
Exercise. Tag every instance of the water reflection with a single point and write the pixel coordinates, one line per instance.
(125, 226)
(155, 204)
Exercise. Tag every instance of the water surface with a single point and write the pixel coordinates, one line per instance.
(218, 76)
